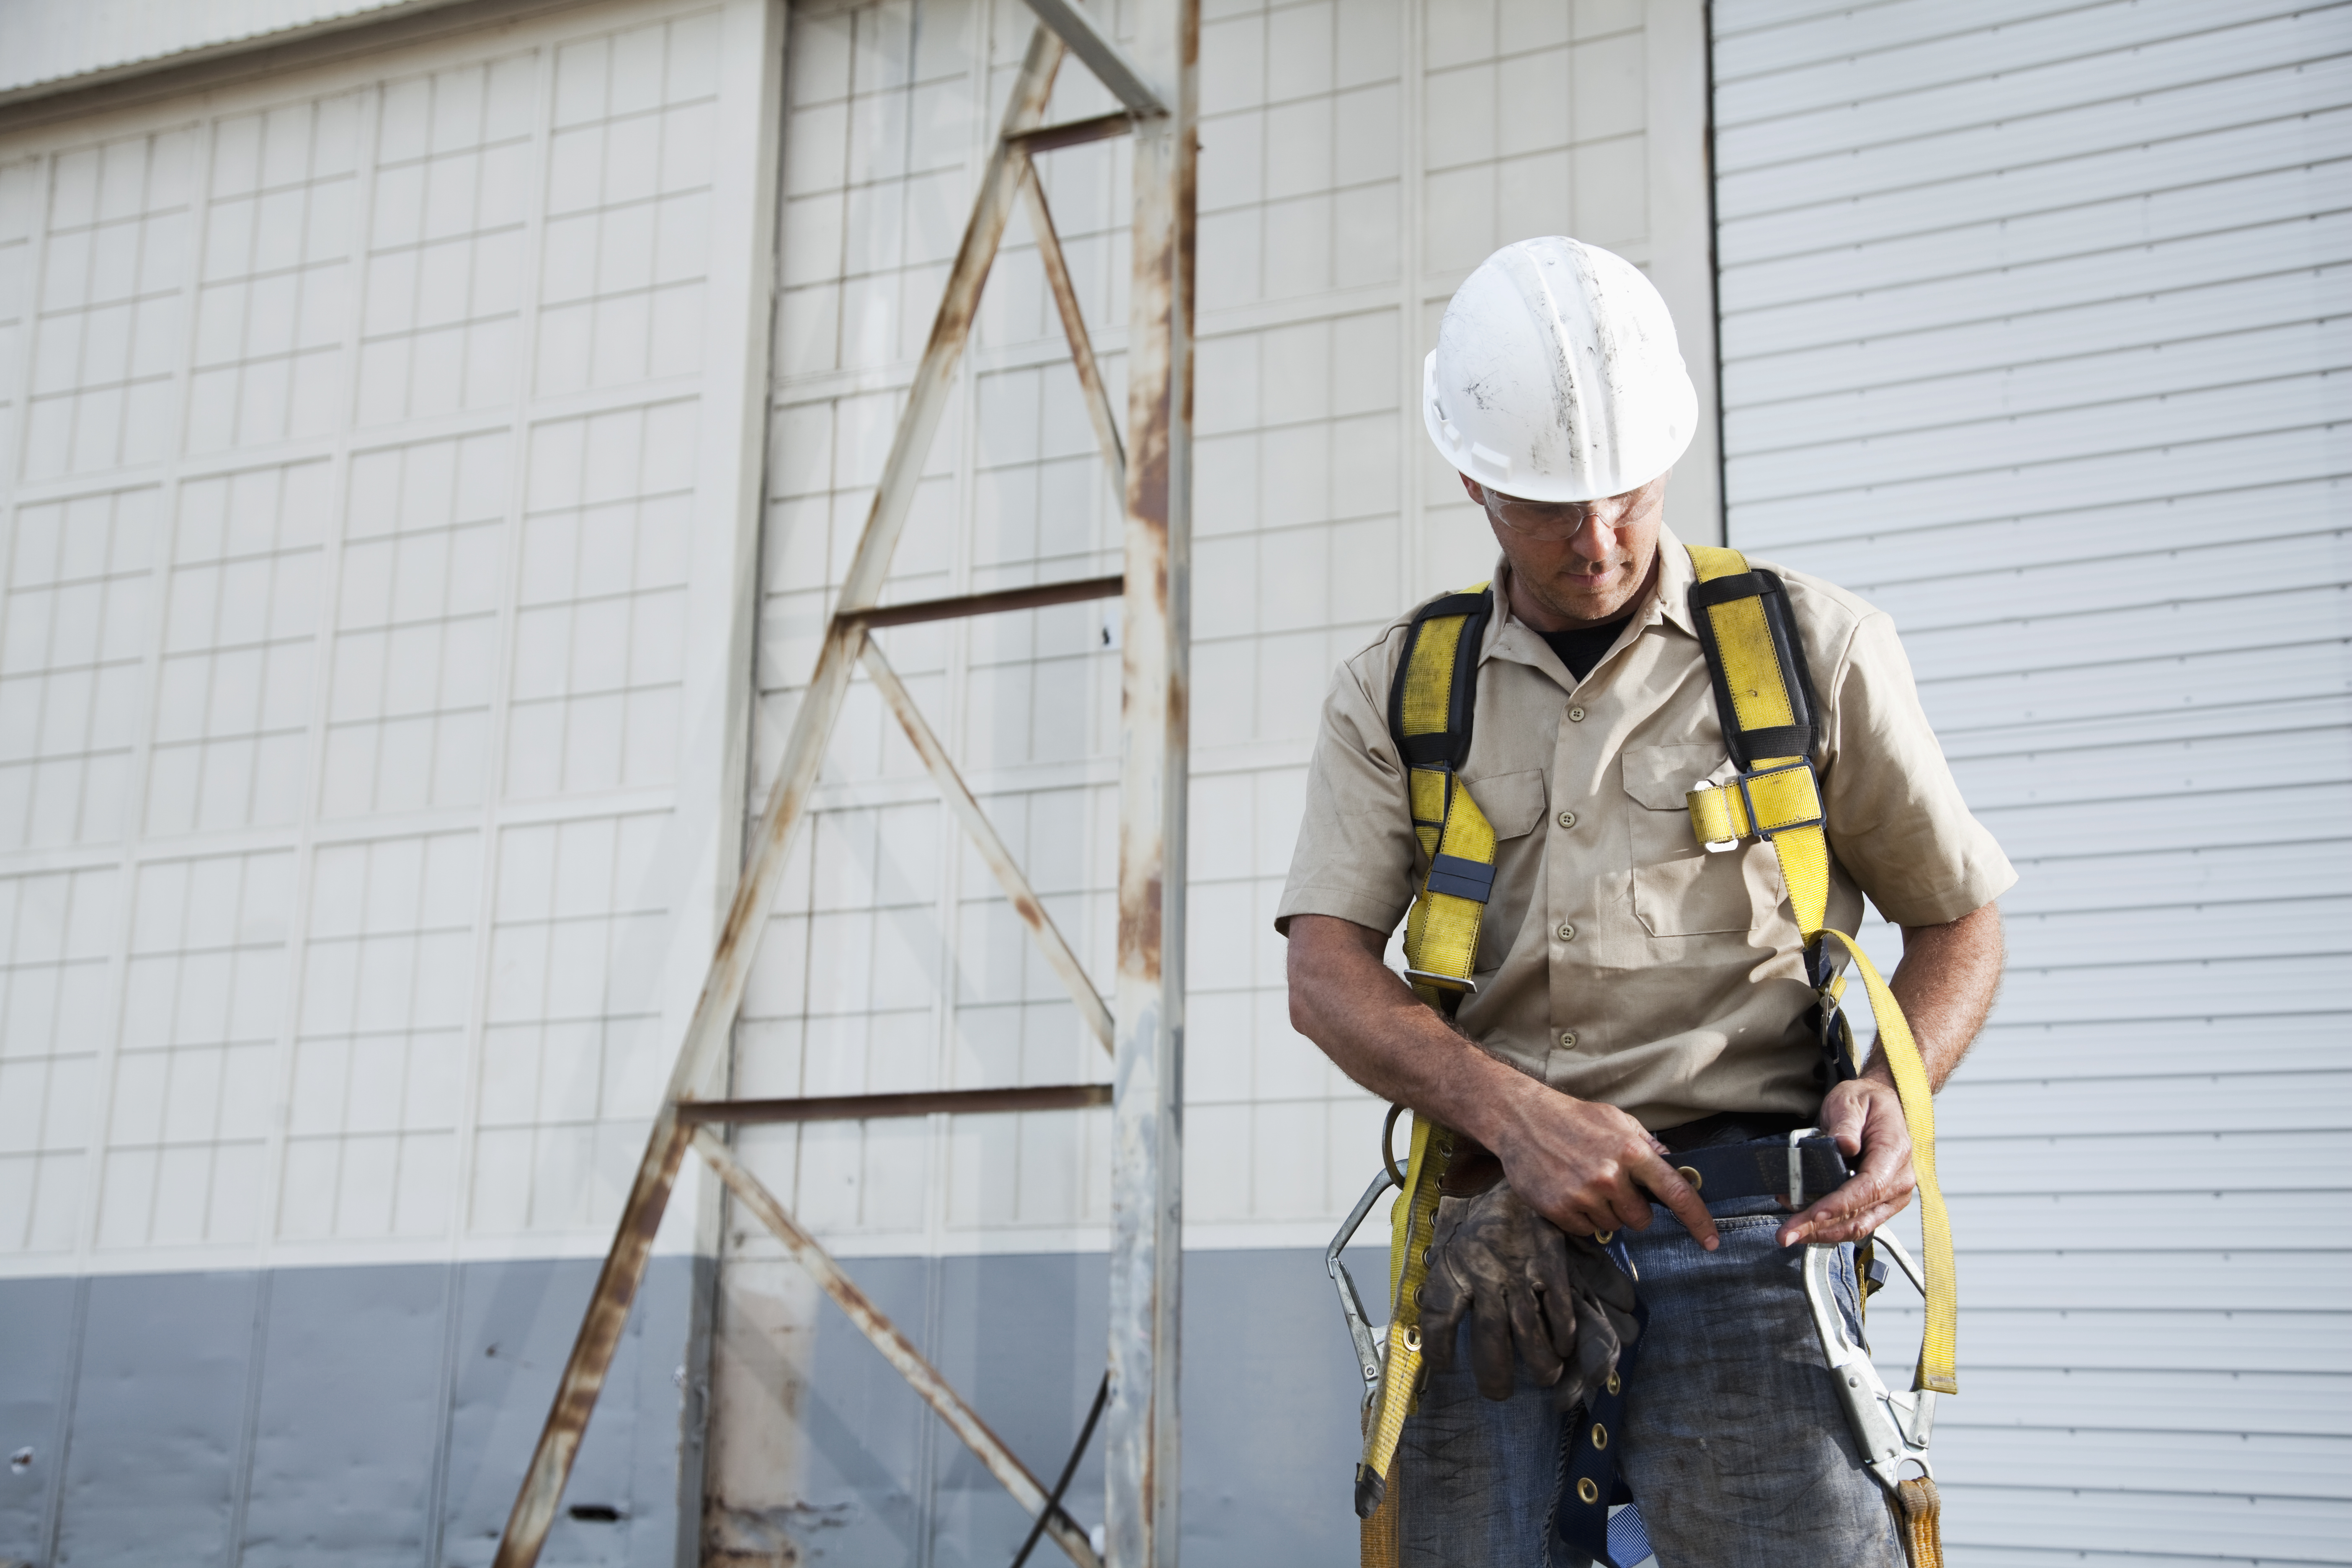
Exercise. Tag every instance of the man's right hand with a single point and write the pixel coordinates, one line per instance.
(1583, 1165)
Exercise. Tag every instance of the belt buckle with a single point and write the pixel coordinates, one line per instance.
(1797, 1167)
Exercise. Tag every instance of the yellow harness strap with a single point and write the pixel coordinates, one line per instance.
(1412, 1219)
(1428, 717)
(1778, 799)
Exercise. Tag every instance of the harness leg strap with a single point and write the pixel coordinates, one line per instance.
(1919, 1523)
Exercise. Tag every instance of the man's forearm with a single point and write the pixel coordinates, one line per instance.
(1945, 983)
(1367, 1019)
(1584, 1166)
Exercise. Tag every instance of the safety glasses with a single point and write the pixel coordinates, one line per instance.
(1552, 522)
(1549, 521)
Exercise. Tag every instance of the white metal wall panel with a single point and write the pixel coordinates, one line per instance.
(2032, 333)
(371, 534)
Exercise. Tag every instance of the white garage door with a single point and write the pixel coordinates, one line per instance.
(2033, 333)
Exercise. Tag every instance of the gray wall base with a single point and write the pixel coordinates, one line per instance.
(359, 1416)
(383, 1414)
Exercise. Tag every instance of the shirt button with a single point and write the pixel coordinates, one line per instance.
(1567, 932)
(1567, 1039)
(1576, 715)
(1568, 819)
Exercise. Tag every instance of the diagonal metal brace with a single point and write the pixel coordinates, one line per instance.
(1110, 64)
(984, 838)
(1074, 328)
(898, 1350)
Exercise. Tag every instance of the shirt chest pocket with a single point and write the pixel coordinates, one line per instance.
(1680, 890)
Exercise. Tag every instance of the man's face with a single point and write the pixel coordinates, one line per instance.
(1575, 561)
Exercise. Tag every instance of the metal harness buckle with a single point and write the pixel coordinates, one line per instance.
(1748, 800)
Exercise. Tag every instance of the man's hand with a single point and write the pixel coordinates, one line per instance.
(1577, 1163)
(1946, 985)
(1866, 1116)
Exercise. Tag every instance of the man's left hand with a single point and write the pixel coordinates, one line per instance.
(1866, 1116)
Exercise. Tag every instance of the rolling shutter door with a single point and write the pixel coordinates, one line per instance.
(2034, 329)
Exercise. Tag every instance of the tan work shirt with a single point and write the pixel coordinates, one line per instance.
(1619, 960)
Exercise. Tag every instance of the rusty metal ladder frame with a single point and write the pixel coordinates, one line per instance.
(1144, 1036)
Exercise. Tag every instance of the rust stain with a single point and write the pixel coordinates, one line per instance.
(1138, 926)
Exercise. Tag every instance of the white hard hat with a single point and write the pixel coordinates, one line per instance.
(1556, 377)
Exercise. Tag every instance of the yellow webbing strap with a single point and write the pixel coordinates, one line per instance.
(1919, 1523)
(1781, 798)
(1441, 933)
(1783, 790)
(1413, 1220)
(1429, 673)
(1441, 950)
(1936, 1368)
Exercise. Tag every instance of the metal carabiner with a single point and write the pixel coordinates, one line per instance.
(1892, 1429)
(1371, 1348)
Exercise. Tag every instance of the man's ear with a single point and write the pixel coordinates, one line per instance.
(1474, 491)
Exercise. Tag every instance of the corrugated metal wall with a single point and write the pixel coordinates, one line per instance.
(2033, 333)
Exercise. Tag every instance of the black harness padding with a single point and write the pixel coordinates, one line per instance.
(1802, 739)
(1452, 748)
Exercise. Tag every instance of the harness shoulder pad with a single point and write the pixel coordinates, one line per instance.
(1433, 695)
(1802, 736)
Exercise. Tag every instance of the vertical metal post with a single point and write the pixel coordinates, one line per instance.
(1147, 1172)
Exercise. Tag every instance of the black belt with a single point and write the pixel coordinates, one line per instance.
(1761, 1170)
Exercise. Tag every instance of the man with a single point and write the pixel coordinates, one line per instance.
(1636, 994)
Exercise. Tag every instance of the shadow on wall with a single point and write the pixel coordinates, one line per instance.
(362, 1415)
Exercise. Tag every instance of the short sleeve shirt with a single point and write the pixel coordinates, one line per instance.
(1619, 960)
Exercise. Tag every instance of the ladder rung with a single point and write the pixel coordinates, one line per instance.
(1002, 599)
(1076, 132)
(861, 1107)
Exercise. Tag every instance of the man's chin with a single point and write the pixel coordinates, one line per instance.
(1600, 602)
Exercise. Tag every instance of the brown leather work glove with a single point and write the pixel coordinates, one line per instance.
(1559, 1300)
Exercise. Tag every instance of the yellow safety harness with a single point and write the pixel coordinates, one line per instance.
(1770, 721)
(1431, 704)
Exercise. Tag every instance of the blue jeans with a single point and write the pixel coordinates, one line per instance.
(1735, 1444)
